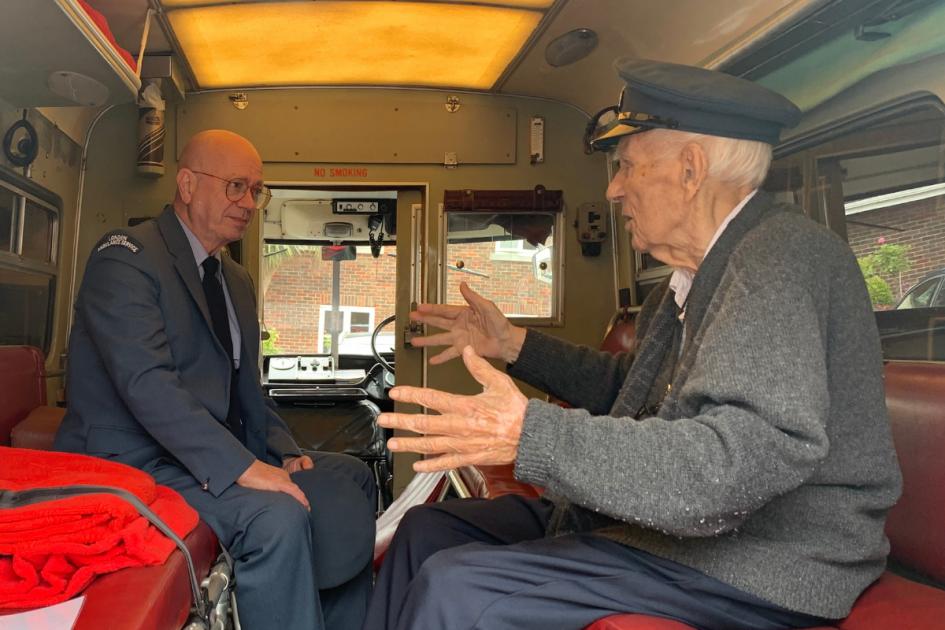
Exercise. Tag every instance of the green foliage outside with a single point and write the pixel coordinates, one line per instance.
(269, 345)
(880, 293)
(888, 259)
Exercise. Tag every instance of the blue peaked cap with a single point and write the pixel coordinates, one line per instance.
(662, 95)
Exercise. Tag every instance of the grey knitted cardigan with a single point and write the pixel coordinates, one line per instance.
(769, 464)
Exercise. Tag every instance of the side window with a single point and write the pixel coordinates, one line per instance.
(29, 245)
(502, 244)
(939, 299)
(882, 187)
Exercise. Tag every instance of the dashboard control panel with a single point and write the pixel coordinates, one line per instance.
(363, 206)
(309, 369)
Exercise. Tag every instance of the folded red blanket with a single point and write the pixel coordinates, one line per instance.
(50, 551)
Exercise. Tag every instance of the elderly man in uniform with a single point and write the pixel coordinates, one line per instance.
(733, 472)
(163, 376)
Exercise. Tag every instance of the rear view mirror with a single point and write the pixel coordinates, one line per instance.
(338, 252)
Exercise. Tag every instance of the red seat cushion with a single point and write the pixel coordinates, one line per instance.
(891, 602)
(895, 602)
(38, 429)
(915, 396)
(637, 622)
(620, 335)
(149, 598)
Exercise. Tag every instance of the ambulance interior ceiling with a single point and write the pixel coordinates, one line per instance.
(518, 47)
(561, 50)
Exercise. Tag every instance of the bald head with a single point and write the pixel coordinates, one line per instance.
(212, 165)
(207, 148)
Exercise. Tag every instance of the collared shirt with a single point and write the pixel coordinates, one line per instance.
(681, 280)
(200, 255)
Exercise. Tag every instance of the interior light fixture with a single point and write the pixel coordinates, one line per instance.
(435, 44)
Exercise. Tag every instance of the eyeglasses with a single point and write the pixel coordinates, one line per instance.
(236, 189)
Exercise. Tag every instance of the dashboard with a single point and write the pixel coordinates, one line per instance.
(310, 369)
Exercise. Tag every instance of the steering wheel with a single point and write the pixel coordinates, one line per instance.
(377, 355)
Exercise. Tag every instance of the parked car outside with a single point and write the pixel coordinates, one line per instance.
(927, 292)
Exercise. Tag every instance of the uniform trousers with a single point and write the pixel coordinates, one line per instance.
(294, 569)
(486, 564)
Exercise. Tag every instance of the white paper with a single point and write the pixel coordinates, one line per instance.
(56, 617)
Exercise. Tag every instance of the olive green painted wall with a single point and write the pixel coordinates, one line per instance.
(114, 192)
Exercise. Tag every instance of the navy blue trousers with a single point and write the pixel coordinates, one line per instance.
(483, 564)
(294, 568)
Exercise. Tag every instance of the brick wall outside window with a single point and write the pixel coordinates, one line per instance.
(301, 283)
(922, 225)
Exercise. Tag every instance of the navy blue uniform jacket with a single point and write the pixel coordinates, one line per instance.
(147, 379)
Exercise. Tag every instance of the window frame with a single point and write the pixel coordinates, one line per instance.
(11, 259)
(557, 264)
(835, 216)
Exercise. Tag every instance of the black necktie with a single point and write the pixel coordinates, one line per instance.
(221, 328)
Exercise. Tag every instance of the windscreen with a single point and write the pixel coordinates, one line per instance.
(311, 291)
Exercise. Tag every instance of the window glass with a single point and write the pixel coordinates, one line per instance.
(882, 187)
(507, 257)
(785, 181)
(297, 298)
(38, 233)
(921, 296)
(354, 333)
(360, 322)
(939, 299)
(27, 273)
(27, 300)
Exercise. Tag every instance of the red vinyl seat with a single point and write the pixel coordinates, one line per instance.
(22, 386)
(145, 598)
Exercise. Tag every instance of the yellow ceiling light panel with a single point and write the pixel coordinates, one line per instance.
(521, 4)
(351, 43)
(174, 4)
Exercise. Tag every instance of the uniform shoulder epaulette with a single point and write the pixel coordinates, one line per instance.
(119, 239)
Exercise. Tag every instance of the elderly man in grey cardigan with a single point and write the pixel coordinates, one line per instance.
(733, 472)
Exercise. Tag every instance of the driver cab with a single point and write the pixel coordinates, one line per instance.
(329, 289)
(330, 261)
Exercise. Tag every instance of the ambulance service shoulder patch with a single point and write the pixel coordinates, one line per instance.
(121, 240)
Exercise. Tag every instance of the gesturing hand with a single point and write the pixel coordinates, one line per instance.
(480, 429)
(262, 476)
(480, 324)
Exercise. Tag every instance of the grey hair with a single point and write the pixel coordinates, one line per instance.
(733, 161)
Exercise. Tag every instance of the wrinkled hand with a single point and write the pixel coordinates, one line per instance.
(480, 325)
(295, 464)
(262, 476)
(481, 429)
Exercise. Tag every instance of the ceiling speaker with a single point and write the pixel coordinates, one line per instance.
(570, 47)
